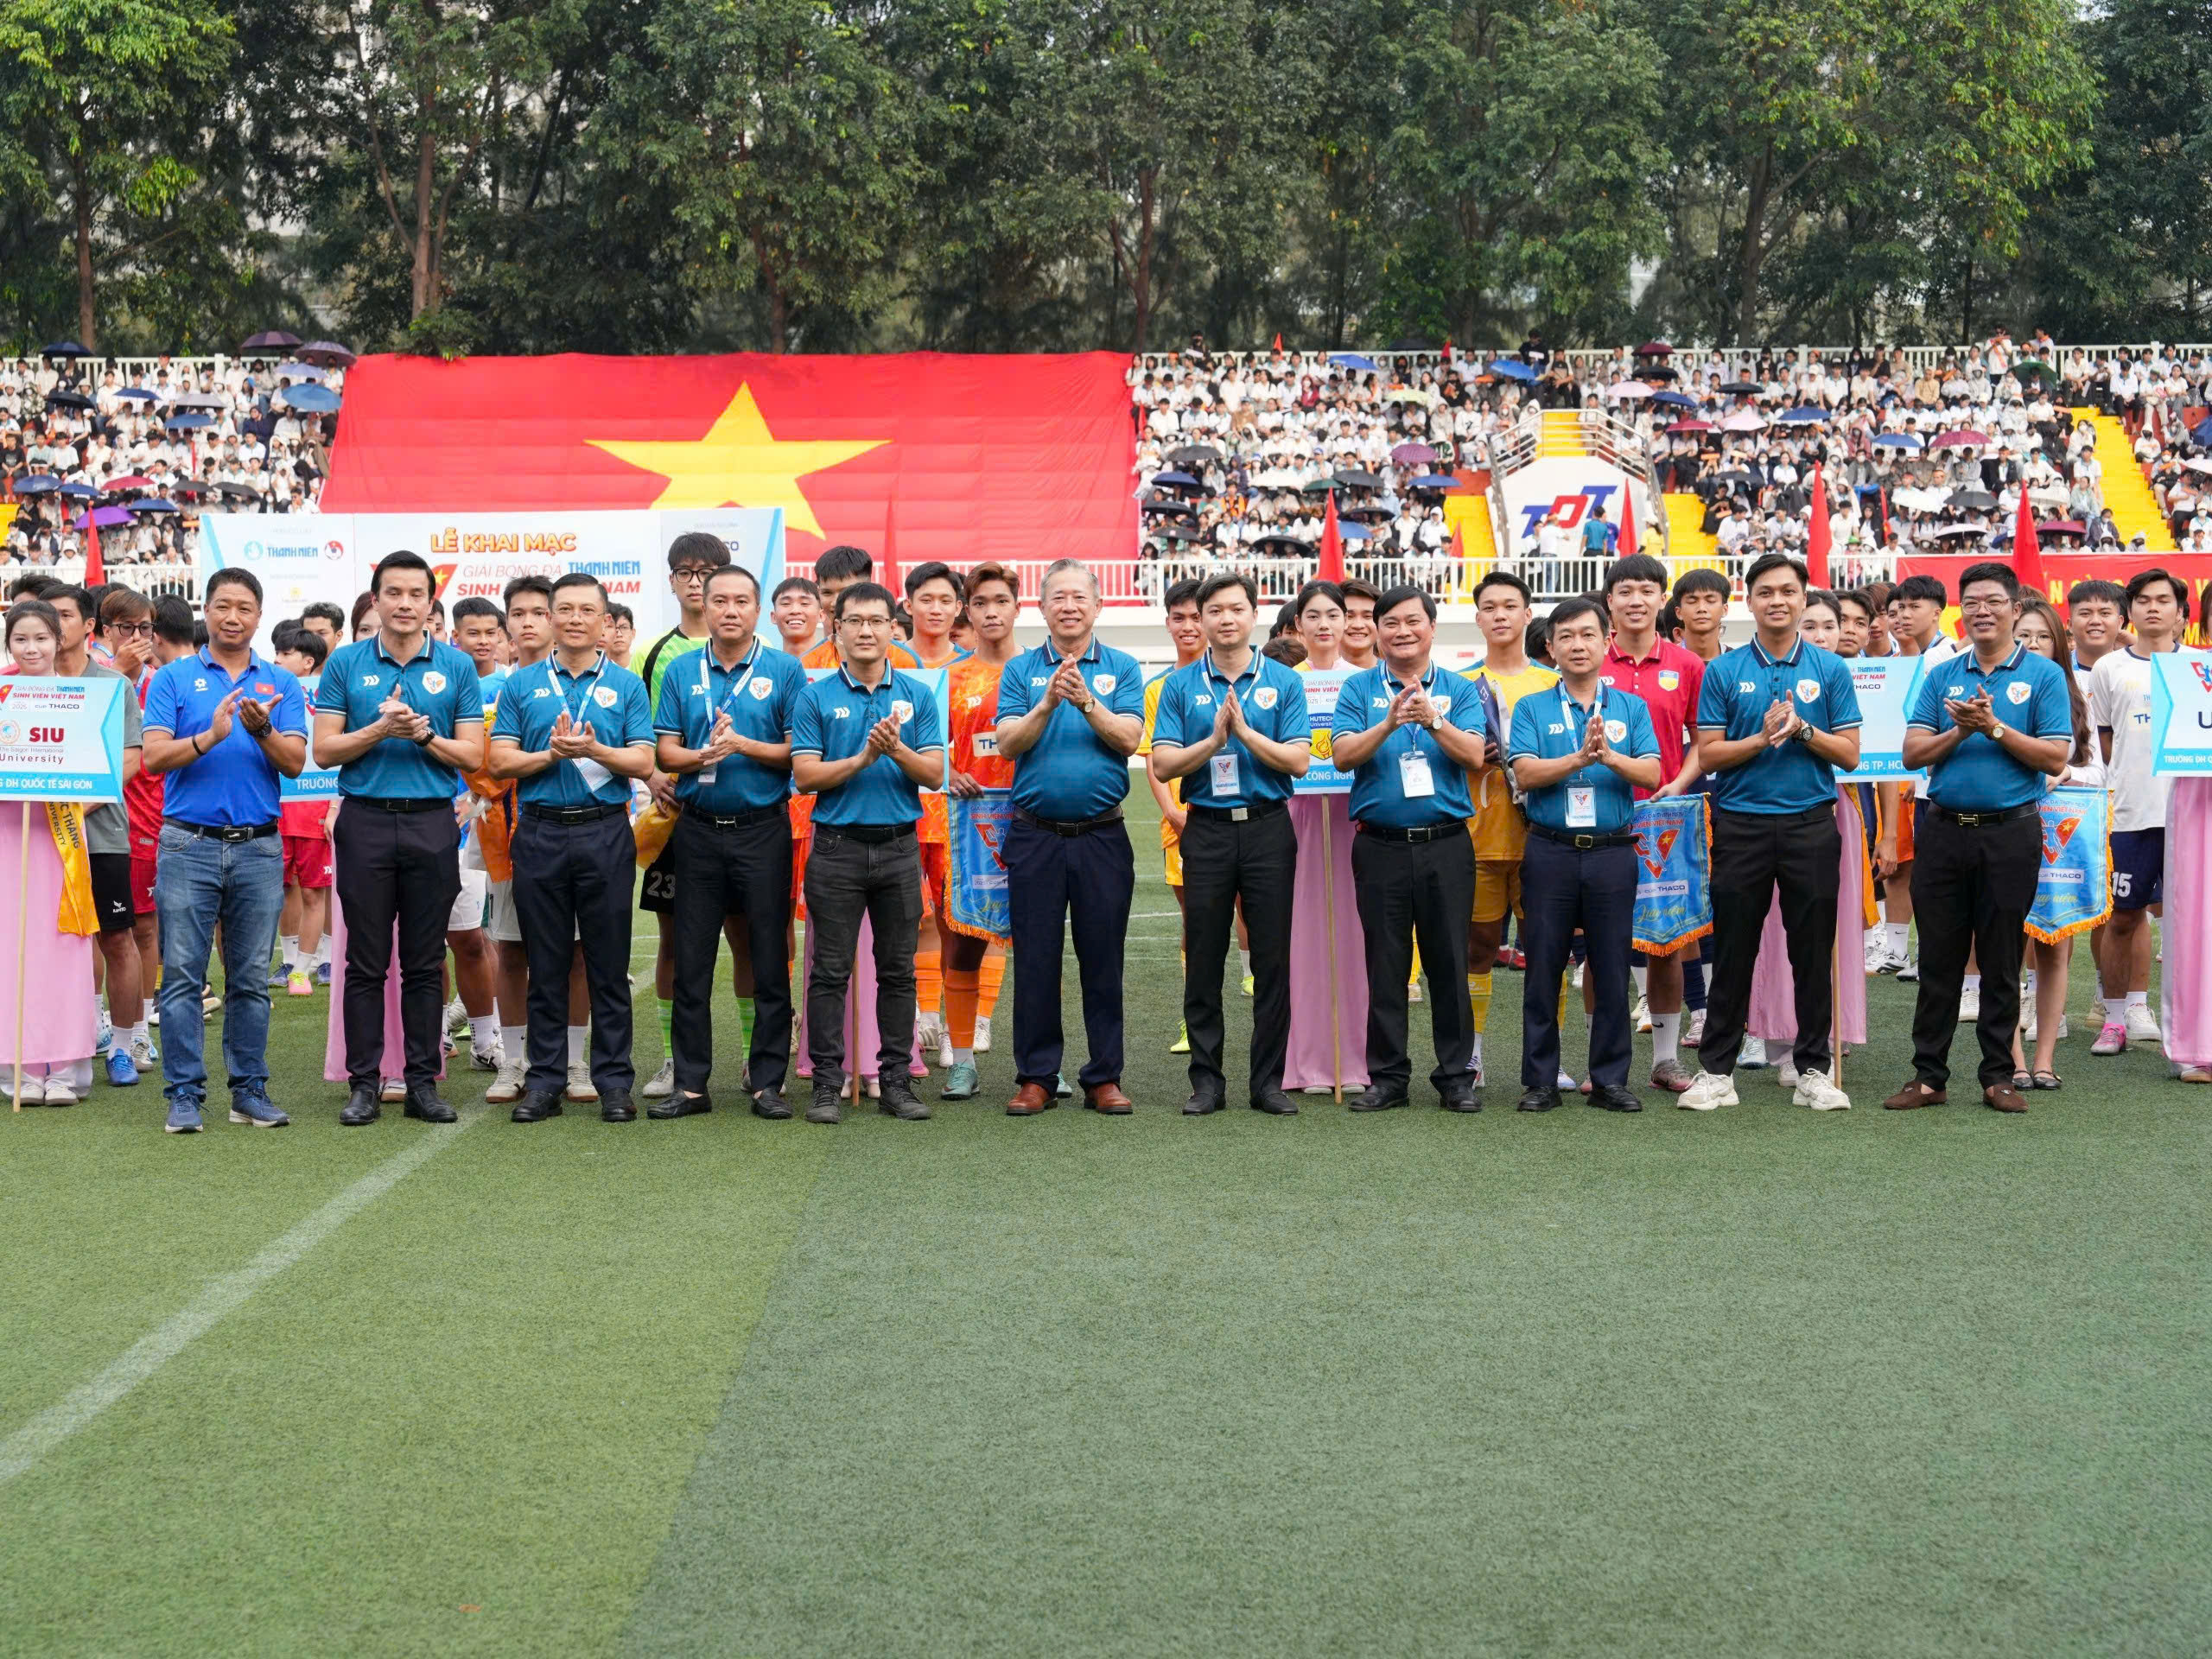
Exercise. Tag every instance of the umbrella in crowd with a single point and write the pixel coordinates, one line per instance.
(273, 339)
(1896, 441)
(1412, 454)
(191, 420)
(1359, 480)
(1353, 360)
(1193, 455)
(1742, 388)
(1918, 500)
(1804, 415)
(75, 490)
(2201, 434)
(313, 400)
(188, 487)
(1675, 399)
(153, 503)
(136, 394)
(298, 370)
(1511, 369)
(1281, 547)
(66, 399)
(1744, 420)
(1433, 482)
(1958, 439)
(1624, 391)
(1972, 500)
(198, 400)
(118, 486)
(2062, 527)
(1176, 531)
(1682, 428)
(325, 353)
(1655, 348)
(1379, 515)
(37, 483)
(2198, 464)
(105, 518)
(63, 348)
(1163, 503)
(1176, 480)
(1953, 532)
(1354, 533)
(1318, 487)
(2029, 367)
(1656, 372)
(236, 490)
(1404, 395)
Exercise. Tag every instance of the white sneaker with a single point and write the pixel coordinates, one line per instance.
(1752, 1053)
(580, 1083)
(483, 1060)
(1877, 954)
(58, 1093)
(104, 1033)
(1413, 991)
(34, 1092)
(2027, 1021)
(1693, 1029)
(456, 1017)
(1908, 969)
(2143, 1025)
(663, 1082)
(2064, 1030)
(1705, 1092)
(1818, 1091)
(983, 1033)
(1787, 1073)
(1970, 1005)
(1575, 978)
(1567, 1083)
(944, 1048)
(508, 1084)
(1642, 1014)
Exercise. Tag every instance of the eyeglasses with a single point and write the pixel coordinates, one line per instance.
(146, 628)
(1984, 604)
(692, 572)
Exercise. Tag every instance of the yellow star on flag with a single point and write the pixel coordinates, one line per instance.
(739, 463)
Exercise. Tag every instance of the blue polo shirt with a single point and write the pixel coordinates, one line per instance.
(1378, 791)
(1068, 774)
(606, 696)
(1740, 685)
(1548, 725)
(234, 783)
(759, 694)
(2029, 692)
(439, 681)
(1274, 696)
(831, 719)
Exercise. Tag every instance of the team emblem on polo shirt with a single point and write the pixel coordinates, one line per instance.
(1670, 678)
(1617, 731)
(903, 710)
(761, 690)
(1264, 698)
(371, 681)
(1807, 690)
(2017, 691)
(1745, 685)
(1103, 684)
(603, 695)
(434, 681)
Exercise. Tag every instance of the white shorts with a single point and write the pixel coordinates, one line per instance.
(468, 913)
(503, 924)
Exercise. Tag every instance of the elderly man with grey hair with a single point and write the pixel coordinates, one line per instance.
(1069, 714)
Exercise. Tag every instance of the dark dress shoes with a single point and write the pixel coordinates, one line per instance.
(422, 1102)
(1206, 1101)
(1613, 1097)
(899, 1100)
(683, 1105)
(361, 1106)
(769, 1102)
(1463, 1097)
(537, 1105)
(2003, 1098)
(1914, 1095)
(615, 1107)
(1107, 1100)
(1029, 1100)
(1540, 1099)
(1276, 1103)
(1377, 1098)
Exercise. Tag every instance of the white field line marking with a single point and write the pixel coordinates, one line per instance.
(23, 1451)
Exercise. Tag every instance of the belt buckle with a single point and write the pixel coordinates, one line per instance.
(1239, 814)
(1970, 820)
(1585, 843)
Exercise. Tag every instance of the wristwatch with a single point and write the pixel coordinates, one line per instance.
(1804, 732)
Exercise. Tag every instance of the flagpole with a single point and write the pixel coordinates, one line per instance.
(22, 946)
(1329, 920)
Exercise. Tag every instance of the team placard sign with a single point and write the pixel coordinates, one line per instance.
(2181, 713)
(60, 739)
(1885, 686)
(1323, 687)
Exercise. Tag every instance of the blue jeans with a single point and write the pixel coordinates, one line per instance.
(202, 883)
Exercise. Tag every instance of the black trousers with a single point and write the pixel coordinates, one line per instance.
(1753, 854)
(1081, 884)
(573, 885)
(1971, 886)
(404, 869)
(1563, 888)
(1405, 891)
(744, 868)
(847, 879)
(1223, 861)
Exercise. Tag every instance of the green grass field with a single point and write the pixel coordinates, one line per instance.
(1764, 1381)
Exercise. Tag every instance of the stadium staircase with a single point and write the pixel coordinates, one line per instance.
(1690, 546)
(2128, 492)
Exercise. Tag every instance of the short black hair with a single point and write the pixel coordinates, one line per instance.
(2088, 592)
(477, 605)
(844, 563)
(1823, 596)
(1767, 561)
(233, 575)
(934, 570)
(402, 560)
(1573, 610)
(538, 585)
(1314, 590)
(697, 547)
(1355, 588)
(1859, 597)
(1920, 585)
(1991, 571)
(861, 592)
(35, 586)
(121, 604)
(437, 608)
(578, 579)
(738, 570)
(1635, 566)
(1185, 592)
(292, 637)
(1222, 581)
(792, 585)
(1286, 618)
(173, 620)
(617, 612)
(1392, 598)
(2143, 579)
(323, 610)
(1703, 580)
(1502, 579)
(79, 600)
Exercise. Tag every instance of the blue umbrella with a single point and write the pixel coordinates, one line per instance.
(1804, 415)
(1353, 531)
(1353, 360)
(1176, 479)
(79, 490)
(64, 348)
(1677, 399)
(1905, 440)
(155, 503)
(316, 400)
(1511, 369)
(37, 483)
(136, 394)
(2201, 434)
(1433, 482)
(190, 421)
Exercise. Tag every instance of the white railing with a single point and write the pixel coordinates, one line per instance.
(152, 580)
(1735, 358)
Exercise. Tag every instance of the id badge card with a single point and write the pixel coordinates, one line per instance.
(1415, 779)
(1228, 776)
(706, 773)
(592, 772)
(1581, 807)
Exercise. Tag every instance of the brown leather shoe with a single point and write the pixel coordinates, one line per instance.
(2003, 1098)
(1914, 1093)
(1029, 1100)
(1107, 1099)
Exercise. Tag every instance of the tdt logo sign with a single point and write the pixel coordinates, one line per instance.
(1572, 509)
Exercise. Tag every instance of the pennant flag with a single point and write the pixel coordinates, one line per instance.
(1332, 565)
(1278, 345)
(886, 568)
(1673, 884)
(2074, 883)
(1628, 543)
(1817, 534)
(95, 567)
(976, 901)
(987, 457)
(2027, 551)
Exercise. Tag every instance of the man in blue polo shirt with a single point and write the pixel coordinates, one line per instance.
(724, 724)
(1233, 724)
(400, 716)
(225, 726)
(1071, 714)
(1409, 734)
(1992, 725)
(1776, 720)
(1579, 751)
(573, 731)
(865, 740)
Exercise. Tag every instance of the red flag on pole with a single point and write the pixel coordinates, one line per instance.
(2027, 551)
(95, 567)
(888, 574)
(1817, 533)
(1278, 347)
(1628, 543)
(1332, 566)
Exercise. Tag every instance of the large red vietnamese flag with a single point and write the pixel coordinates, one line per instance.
(976, 457)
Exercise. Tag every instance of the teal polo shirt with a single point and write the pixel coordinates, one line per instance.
(606, 696)
(832, 718)
(1547, 725)
(1068, 775)
(234, 783)
(2029, 693)
(1740, 685)
(1273, 696)
(759, 694)
(1378, 793)
(439, 681)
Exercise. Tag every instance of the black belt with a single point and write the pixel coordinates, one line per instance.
(389, 803)
(1581, 840)
(1982, 820)
(1235, 814)
(867, 835)
(733, 820)
(1419, 832)
(591, 814)
(1810, 815)
(1067, 826)
(223, 831)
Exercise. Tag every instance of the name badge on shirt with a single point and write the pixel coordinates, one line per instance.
(591, 771)
(1581, 807)
(706, 773)
(1415, 779)
(1227, 778)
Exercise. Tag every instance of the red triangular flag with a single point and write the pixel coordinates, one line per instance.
(1459, 541)
(1278, 346)
(887, 568)
(2027, 551)
(1817, 534)
(1331, 566)
(95, 567)
(1626, 543)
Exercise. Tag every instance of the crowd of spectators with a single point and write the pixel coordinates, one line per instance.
(151, 449)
